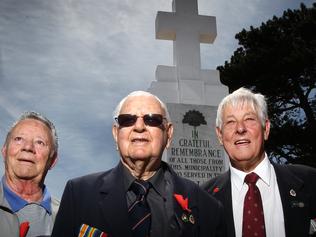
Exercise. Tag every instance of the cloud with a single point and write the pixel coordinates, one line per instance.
(74, 61)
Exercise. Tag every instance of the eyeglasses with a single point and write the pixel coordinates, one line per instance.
(152, 120)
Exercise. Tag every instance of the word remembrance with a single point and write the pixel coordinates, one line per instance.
(195, 152)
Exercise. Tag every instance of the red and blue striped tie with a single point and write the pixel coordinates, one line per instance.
(139, 211)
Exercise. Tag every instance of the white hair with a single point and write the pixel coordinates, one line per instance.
(41, 118)
(243, 96)
(118, 108)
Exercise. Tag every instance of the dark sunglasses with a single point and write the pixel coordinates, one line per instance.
(127, 120)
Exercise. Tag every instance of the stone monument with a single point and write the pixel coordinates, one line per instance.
(191, 93)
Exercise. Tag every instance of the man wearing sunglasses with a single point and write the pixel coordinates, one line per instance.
(141, 196)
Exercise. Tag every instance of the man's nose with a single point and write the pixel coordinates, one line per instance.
(28, 145)
(139, 124)
(241, 128)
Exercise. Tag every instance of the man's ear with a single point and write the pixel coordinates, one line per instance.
(219, 135)
(4, 151)
(115, 132)
(267, 129)
(53, 160)
(169, 134)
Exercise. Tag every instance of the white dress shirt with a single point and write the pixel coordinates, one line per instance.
(270, 195)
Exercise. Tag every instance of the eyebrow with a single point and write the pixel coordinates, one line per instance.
(233, 116)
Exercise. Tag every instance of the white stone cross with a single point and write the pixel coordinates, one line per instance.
(187, 29)
(185, 81)
(185, 86)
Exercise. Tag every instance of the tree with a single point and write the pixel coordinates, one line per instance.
(278, 59)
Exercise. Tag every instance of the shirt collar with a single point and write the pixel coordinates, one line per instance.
(128, 178)
(157, 181)
(263, 170)
(17, 203)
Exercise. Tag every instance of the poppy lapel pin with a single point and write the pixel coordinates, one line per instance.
(216, 190)
(24, 227)
(187, 215)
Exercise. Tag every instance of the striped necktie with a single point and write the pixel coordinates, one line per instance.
(253, 218)
(139, 211)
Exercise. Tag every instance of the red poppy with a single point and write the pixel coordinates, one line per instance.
(184, 202)
(215, 190)
(24, 227)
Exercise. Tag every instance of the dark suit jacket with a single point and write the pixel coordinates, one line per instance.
(99, 200)
(297, 210)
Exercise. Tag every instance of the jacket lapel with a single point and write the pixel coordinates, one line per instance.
(178, 226)
(222, 191)
(113, 203)
(294, 201)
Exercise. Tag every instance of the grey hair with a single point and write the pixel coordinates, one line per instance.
(243, 96)
(118, 108)
(41, 118)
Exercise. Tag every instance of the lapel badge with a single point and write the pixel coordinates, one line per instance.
(184, 218)
(297, 204)
(191, 219)
(292, 193)
(187, 212)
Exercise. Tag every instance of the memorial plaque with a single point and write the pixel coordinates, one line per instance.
(195, 152)
(191, 93)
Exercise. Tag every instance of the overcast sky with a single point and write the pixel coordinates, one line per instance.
(73, 60)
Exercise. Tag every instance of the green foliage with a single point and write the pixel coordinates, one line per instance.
(278, 59)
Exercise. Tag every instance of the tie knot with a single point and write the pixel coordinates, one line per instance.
(140, 187)
(251, 178)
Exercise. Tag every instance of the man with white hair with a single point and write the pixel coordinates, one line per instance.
(260, 198)
(141, 196)
(29, 151)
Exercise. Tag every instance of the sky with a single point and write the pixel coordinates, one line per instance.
(73, 61)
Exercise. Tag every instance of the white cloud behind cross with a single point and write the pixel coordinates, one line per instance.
(74, 60)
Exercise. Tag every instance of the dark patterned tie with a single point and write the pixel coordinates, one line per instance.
(139, 211)
(253, 218)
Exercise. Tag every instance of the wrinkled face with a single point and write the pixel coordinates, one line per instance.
(141, 141)
(28, 151)
(243, 136)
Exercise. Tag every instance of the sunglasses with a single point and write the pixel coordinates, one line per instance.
(127, 120)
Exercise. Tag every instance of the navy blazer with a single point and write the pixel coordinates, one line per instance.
(298, 210)
(99, 200)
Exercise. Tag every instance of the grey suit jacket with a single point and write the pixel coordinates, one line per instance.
(298, 210)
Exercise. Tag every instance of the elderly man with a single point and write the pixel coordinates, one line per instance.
(260, 198)
(142, 196)
(29, 151)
